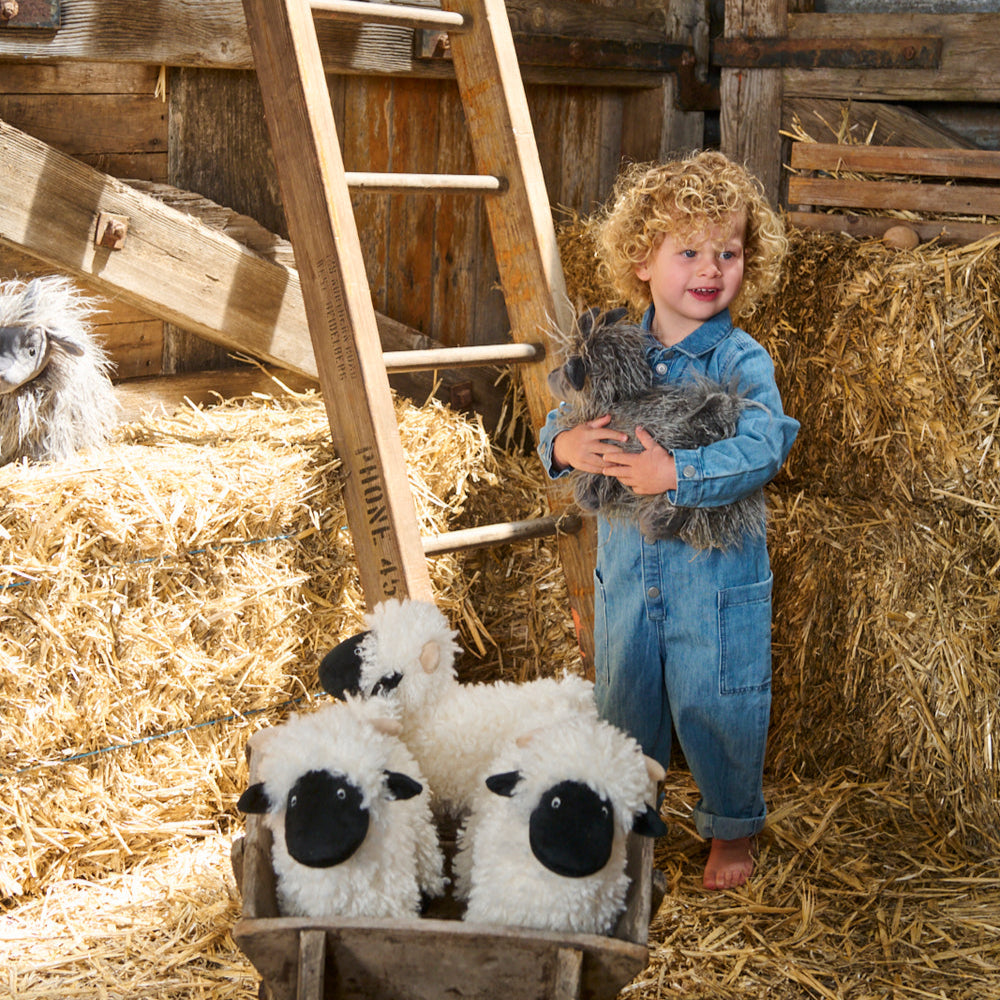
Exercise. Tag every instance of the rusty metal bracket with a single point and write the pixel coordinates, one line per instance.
(923, 52)
(30, 14)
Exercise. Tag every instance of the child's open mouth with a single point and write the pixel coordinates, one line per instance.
(705, 294)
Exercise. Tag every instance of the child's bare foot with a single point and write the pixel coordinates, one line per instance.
(730, 863)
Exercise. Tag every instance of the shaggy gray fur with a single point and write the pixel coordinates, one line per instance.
(607, 372)
(55, 393)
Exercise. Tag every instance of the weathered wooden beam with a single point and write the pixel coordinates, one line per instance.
(969, 69)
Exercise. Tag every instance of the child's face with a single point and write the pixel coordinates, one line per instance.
(693, 279)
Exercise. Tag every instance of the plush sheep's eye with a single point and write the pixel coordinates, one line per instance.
(293, 801)
(556, 802)
(341, 794)
(604, 811)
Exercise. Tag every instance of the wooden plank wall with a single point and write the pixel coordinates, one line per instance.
(430, 259)
(111, 117)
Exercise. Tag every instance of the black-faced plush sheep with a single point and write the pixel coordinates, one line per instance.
(545, 842)
(56, 396)
(405, 659)
(606, 372)
(350, 821)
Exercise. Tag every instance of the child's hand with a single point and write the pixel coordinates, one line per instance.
(582, 447)
(646, 472)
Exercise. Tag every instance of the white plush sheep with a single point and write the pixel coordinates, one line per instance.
(55, 392)
(351, 825)
(606, 372)
(405, 658)
(544, 846)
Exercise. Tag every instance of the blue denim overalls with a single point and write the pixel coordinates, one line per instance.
(683, 636)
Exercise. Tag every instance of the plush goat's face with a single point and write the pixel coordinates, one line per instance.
(606, 362)
(24, 353)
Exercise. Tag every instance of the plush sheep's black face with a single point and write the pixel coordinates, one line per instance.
(325, 821)
(572, 829)
(341, 669)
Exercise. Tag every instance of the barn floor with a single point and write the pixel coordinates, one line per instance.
(121, 755)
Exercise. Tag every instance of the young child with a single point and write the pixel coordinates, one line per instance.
(682, 636)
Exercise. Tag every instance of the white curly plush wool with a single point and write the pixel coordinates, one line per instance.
(400, 857)
(455, 730)
(497, 872)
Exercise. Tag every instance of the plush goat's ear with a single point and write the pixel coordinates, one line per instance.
(648, 823)
(612, 316)
(576, 371)
(503, 784)
(585, 321)
(402, 786)
(254, 800)
(430, 656)
(67, 345)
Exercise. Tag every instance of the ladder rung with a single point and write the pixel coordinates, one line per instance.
(408, 183)
(461, 357)
(387, 13)
(498, 534)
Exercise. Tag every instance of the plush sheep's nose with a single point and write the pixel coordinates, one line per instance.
(325, 820)
(340, 669)
(571, 830)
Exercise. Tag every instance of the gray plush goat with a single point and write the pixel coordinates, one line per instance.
(606, 371)
(56, 396)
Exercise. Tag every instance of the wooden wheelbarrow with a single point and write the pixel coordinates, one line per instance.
(437, 957)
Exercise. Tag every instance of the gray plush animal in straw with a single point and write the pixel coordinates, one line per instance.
(606, 371)
(56, 395)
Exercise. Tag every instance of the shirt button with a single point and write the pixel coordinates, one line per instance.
(689, 471)
(661, 369)
(653, 593)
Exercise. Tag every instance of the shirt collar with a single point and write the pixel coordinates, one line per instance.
(706, 338)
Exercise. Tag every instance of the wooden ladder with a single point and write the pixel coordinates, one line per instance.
(315, 192)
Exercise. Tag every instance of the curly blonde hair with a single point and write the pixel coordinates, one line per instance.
(681, 198)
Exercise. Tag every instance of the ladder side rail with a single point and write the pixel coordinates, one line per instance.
(524, 242)
(342, 321)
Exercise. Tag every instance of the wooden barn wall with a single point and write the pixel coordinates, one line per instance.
(430, 259)
(110, 117)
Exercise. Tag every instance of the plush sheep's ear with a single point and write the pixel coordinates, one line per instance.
(430, 656)
(654, 768)
(576, 371)
(340, 669)
(254, 800)
(503, 784)
(648, 824)
(387, 727)
(401, 786)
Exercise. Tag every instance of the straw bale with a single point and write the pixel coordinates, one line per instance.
(887, 653)
(891, 360)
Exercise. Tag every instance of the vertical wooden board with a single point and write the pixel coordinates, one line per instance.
(582, 136)
(367, 136)
(411, 217)
(546, 105)
(751, 98)
(136, 348)
(459, 223)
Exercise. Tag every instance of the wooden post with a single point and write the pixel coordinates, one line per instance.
(751, 98)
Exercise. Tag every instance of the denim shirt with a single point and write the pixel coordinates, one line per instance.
(726, 470)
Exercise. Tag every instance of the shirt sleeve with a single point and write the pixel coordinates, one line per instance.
(727, 470)
(546, 443)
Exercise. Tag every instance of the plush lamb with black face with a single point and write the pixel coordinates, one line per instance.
(544, 846)
(349, 816)
(405, 660)
(56, 395)
(606, 371)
